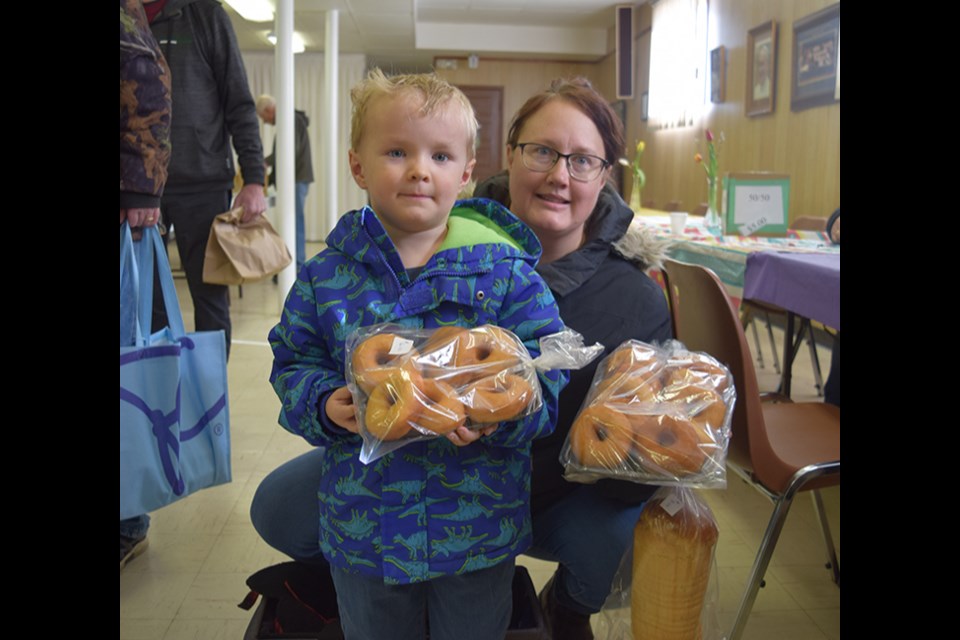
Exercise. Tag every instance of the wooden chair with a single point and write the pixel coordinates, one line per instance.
(809, 223)
(779, 448)
(673, 205)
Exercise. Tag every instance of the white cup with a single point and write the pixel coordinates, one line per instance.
(678, 222)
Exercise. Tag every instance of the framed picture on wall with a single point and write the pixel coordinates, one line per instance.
(815, 72)
(761, 69)
(718, 74)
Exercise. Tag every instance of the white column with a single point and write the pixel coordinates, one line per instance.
(285, 125)
(331, 59)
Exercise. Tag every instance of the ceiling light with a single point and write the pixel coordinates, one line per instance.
(298, 44)
(253, 10)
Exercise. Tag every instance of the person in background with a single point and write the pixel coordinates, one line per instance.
(213, 107)
(144, 155)
(267, 110)
(561, 146)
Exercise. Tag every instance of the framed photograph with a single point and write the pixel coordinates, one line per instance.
(761, 69)
(718, 74)
(815, 77)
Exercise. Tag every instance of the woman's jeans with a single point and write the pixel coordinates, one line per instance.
(586, 532)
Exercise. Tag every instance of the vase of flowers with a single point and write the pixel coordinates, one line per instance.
(639, 177)
(712, 219)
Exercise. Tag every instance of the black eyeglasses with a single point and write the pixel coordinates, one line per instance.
(582, 167)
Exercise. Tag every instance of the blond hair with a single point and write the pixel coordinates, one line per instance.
(435, 92)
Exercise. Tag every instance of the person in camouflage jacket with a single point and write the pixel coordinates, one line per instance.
(144, 156)
(144, 113)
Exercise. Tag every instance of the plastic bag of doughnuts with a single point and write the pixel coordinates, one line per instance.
(656, 415)
(412, 384)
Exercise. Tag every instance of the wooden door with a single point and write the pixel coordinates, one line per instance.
(488, 104)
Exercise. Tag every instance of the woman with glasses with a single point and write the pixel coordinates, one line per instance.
(561, 146)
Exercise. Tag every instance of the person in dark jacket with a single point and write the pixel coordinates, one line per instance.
(267, 110)
(560, 148)
(212, 108)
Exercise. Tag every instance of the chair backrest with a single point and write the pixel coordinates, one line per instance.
(704, 319)
(809, 223)
(673, 205)
(670, 302)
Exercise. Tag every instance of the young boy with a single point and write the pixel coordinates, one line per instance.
(434, 526)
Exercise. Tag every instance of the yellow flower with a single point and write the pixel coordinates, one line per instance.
(641, 146)
(698, 158)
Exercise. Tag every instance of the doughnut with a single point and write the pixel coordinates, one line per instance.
(697, 369)
(372, 362)
(630, 356)
(392, 405)
(438, 355)
(704, 407)
(440, 410)
(497, 398)
(629, 388)
(484, 352)
(631, 374)
(667, 443)
(601, 438)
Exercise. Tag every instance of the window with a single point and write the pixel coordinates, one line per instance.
(678, 63)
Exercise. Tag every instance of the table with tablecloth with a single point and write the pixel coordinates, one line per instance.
(800, 272)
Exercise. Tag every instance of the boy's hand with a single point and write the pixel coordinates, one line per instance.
(463, 436)
(341, 410)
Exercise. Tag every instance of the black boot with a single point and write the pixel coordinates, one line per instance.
(563, 623)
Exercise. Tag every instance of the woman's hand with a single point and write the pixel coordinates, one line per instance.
(140, 216)
(341, 410)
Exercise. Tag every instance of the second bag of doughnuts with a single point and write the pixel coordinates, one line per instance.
(657, 415)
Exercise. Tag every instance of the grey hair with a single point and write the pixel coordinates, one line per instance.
(264, 102)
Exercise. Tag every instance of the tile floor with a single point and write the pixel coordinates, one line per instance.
(188, 583)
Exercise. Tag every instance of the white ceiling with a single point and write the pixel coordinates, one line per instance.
(409, 34)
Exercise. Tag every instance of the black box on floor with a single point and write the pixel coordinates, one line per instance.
(289, 587)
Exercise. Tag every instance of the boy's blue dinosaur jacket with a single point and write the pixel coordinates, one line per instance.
(429, 508)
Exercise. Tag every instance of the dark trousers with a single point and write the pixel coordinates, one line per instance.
(192, 216)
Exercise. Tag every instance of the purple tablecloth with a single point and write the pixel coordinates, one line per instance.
(806, 283)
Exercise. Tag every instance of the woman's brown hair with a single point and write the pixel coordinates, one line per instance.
(581, 94)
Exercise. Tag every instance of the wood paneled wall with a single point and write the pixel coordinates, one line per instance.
(805, 144)
(520, 79)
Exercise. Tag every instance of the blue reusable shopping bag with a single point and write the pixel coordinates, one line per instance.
(174, 417)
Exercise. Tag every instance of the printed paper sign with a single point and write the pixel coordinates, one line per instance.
(758, 206)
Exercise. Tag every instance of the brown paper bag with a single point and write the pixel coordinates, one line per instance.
(243, 252)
